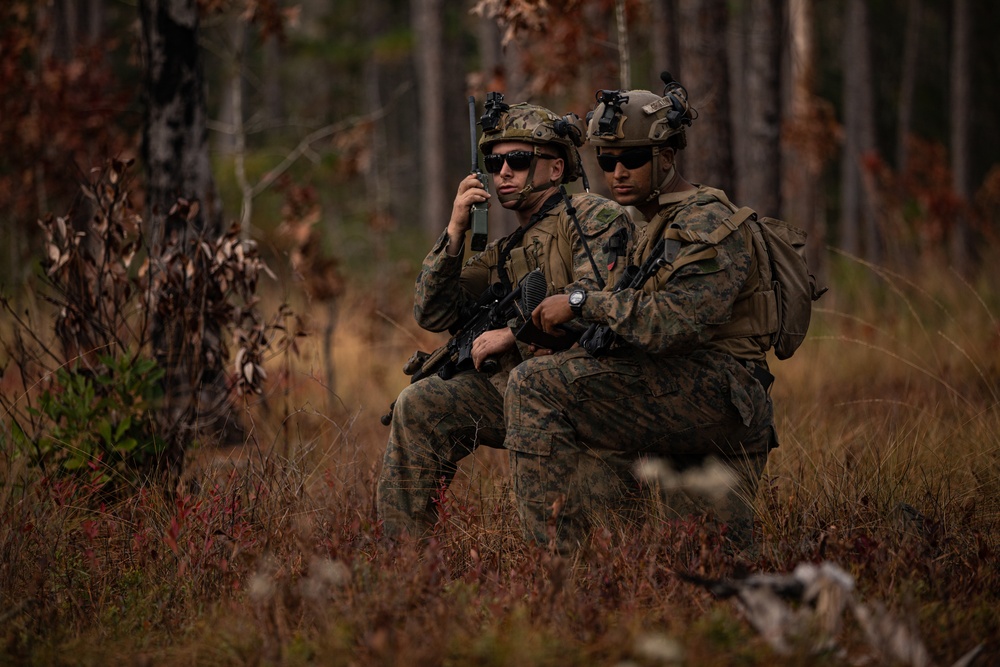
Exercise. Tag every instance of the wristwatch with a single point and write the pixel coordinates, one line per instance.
(576, 300)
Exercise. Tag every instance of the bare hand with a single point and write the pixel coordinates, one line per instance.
(551, 312)
(491, 343)
(470, 191)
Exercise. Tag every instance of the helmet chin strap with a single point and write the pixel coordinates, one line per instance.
(527, 197)
(654, 187)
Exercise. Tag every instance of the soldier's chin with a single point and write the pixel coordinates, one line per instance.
(511, 201)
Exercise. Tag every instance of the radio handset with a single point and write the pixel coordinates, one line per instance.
(478, 214)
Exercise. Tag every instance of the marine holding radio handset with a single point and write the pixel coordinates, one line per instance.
(435, 422)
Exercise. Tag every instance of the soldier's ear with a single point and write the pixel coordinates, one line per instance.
(558, 168)
(667, 157)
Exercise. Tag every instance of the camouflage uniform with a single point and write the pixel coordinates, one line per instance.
(677, 387)
(435, 422)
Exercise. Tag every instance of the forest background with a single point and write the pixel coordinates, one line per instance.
(335, 135)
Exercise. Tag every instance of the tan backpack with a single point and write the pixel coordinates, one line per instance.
(780, 249)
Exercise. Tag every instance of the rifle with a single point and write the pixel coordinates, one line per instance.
(492, 311)
(598, 338)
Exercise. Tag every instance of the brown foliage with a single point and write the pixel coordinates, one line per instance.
(299, 214)
(88, 255)
(560, 37)
(202, 291)
(919, 207)
(56, 118)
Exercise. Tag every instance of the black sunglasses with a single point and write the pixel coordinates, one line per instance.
(633, 158)
(518, 160)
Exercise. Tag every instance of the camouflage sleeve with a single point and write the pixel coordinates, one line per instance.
(444, 286)
(674, 316)
(608, 233)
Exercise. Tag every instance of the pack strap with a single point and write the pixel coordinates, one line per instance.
(742, 215)
(728, 225)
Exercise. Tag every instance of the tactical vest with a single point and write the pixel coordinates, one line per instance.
(546, 245)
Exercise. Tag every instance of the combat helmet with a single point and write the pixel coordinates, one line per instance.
(628, 118)
(535, 125)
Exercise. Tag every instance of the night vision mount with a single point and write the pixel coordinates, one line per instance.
(492, 110)
(611, 119)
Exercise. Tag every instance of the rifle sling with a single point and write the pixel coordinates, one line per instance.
(571, 210)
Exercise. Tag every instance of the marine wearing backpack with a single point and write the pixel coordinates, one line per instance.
(686, 376)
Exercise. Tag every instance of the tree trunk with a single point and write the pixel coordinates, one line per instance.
(761, 182)
(274, 96)
(490, 53)
(175, 136)
(430, 87)
(230, 90)
(95, 20)
(961, 91)
(377, 181)
(664, 52)
(72, 24)
(175, 153)
(801, 160)
(61, 37)
(739, 23)
(908, 81)
(858, 232)
(708, 158)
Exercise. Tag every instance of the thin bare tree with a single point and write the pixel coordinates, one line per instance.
(736, 46)
(961, 103)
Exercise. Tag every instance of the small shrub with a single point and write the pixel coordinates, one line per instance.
(99, 416)
(138, 367)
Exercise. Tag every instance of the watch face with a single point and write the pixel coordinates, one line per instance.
(576, 297)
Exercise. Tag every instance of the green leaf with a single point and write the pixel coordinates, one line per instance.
(20, 437)
(74, 463)
(126, 445)
(123, 426)
(104, 429)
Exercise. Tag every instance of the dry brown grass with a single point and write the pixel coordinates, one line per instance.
(889, 465)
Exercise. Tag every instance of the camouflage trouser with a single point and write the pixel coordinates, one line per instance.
(577, 426)
(435, 424)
